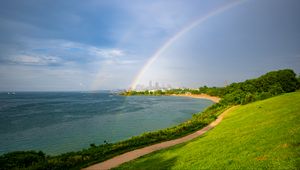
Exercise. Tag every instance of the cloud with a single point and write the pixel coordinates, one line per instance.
(87, 50)
(35, 60)
(61, 52)
(106, 53)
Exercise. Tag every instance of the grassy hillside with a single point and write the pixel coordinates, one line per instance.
(263, 134)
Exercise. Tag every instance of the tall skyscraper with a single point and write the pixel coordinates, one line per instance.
(150, 84)
(156, 85)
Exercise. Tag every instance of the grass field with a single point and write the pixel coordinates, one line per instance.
(260, 135)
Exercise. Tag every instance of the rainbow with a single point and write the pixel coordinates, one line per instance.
(180, 33)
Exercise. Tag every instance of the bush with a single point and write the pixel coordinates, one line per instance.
(21, 159)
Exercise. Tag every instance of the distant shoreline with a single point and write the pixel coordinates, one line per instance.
(199, 96)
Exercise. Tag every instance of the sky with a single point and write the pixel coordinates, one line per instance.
(75, 45)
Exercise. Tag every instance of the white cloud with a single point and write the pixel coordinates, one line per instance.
(35, 60)
(57, 51)
(88, 50)
(106, 53)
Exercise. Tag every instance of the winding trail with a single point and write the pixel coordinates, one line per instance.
(128, 156)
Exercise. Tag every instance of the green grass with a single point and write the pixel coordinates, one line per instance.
(260, 135)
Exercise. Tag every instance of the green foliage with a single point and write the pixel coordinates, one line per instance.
(213, 91)
(21, 159)
(298, 78)
(260, 135)
(268, 85)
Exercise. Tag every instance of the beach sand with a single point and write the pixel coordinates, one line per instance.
(200, 96)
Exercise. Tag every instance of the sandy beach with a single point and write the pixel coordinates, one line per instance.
(200, 96)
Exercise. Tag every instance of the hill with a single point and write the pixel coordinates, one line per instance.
(260, 135)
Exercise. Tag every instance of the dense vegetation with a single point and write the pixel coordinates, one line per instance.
(261, 135)
(270, 84)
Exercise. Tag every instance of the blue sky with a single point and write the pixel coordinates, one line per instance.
(90, 45)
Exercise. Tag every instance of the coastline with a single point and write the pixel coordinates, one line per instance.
(199, 96)
(134, 154)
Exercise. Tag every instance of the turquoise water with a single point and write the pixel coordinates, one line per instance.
(69, 121)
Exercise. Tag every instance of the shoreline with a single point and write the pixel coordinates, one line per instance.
(199, 96)
(134, 154)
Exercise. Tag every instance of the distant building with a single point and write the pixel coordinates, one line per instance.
(156, 85)
(150, 85)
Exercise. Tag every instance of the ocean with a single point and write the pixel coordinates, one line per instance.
(58, 122)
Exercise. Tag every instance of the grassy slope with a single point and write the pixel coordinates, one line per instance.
(264, 134)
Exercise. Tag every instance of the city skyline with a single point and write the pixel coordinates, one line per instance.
(153, 85)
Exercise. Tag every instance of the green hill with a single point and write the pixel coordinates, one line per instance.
(260, 135)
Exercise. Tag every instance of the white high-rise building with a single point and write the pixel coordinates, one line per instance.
(150, 85)
(156, 85)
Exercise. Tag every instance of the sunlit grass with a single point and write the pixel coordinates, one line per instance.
(260, 135)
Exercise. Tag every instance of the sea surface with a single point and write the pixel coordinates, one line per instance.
(58, 122)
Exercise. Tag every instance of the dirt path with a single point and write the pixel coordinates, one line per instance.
(118, 160)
